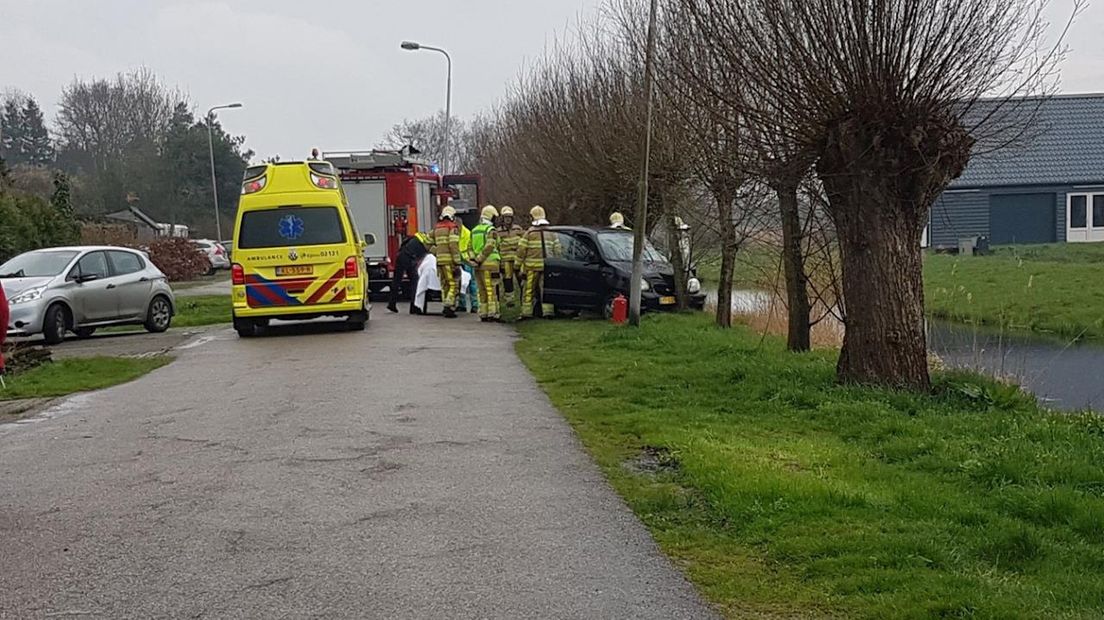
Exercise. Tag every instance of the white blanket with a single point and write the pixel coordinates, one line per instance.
(428, 280)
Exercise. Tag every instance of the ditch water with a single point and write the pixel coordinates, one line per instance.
(1062, 375)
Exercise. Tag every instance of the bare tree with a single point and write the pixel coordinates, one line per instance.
(883, 93)
(107, 120)
(427, 136)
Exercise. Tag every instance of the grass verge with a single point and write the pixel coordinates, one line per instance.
(69, 376)
(782, 494)
(202, 310)
(1053, 289)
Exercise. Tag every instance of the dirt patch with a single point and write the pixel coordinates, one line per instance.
(15, 410)
(653, 461)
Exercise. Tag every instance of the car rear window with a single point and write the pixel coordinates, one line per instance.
(284, 226)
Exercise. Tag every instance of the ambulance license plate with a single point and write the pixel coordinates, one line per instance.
(667, 301)
(295, 270)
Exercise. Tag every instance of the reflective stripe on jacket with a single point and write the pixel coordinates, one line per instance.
(508, 239)
(532, 247)
(446, 243)
(465, 243)
(485, 244)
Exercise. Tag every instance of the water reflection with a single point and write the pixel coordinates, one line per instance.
(1063, 375)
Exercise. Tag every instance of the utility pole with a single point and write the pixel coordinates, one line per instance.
(641, 219)
(211, 152)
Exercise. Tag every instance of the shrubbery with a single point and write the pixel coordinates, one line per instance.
(29, 222)
(179, 259)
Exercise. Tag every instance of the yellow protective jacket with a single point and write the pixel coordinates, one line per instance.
(508, 239)
(446, 243)
(486, 247)
(533, 246)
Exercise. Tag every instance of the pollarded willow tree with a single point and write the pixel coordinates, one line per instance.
(890, 97)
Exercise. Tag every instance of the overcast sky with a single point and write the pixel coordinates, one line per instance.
(329, 74)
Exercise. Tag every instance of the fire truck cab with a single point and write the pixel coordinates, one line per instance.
(393, 195)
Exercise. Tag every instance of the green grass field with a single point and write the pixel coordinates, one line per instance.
(783, 495)
(203, 310)
(1055, 289)
(69, 376)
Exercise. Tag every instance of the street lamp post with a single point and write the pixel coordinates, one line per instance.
(414, 46)
(635, 285)
(211, 150)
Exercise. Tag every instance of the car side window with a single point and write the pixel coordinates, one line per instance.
(126, 263)
(93, 263)
(582, 251)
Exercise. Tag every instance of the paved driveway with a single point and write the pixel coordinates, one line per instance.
(320, 474)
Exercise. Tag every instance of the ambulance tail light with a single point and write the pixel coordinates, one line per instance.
(237, 275)
(352, 267)
(253, 186)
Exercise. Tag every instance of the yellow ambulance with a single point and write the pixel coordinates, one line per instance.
(297, 253)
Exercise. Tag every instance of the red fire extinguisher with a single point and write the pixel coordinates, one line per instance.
(620, 309)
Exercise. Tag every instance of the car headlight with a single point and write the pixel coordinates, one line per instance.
(29, 295)
(693, 286)
(644, 286)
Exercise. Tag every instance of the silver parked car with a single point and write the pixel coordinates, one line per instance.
(77, 289)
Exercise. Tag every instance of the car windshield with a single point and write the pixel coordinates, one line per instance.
(618, 246)
(37, 265)
(273, 228)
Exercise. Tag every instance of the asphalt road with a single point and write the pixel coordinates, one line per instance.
(322, 474)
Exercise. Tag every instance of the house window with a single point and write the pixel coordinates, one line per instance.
(1085, 217)
(1078, 215)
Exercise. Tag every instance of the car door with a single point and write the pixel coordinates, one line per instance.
(131, 282)
(571, 271)
(583, 271)
(95, 297)
(557, 288)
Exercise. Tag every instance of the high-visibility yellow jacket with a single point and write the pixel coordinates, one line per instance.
(446, 243)
(465, 243)
(485, 247)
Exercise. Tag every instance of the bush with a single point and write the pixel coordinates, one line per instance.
(28, 223)
(179, 259)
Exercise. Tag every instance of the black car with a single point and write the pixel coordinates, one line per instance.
(586, 268)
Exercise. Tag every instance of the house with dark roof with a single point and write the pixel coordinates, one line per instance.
(1048, 189)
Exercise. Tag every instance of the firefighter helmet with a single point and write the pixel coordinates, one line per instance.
(537, 213)
(448, 212)
(489, 213)
(507, 211)
(616, 219)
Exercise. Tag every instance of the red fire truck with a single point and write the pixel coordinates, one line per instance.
(393, 194)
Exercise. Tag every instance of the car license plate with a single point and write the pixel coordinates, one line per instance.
(295, 270)
(667, 301)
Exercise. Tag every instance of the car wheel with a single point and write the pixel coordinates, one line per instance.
(159, 315)
(357, 322)
(56, 324)
(245, 328)
(84, 332)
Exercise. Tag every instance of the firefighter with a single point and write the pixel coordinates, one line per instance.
(411, 252)
(446, 249)
(468, 294)
(509, 234)
(485, 248)
(617, 221)
(532, 248)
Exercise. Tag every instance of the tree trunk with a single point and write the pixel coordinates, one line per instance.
(881, 175)
(884, 341)
(793, 262)
(728, 260)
